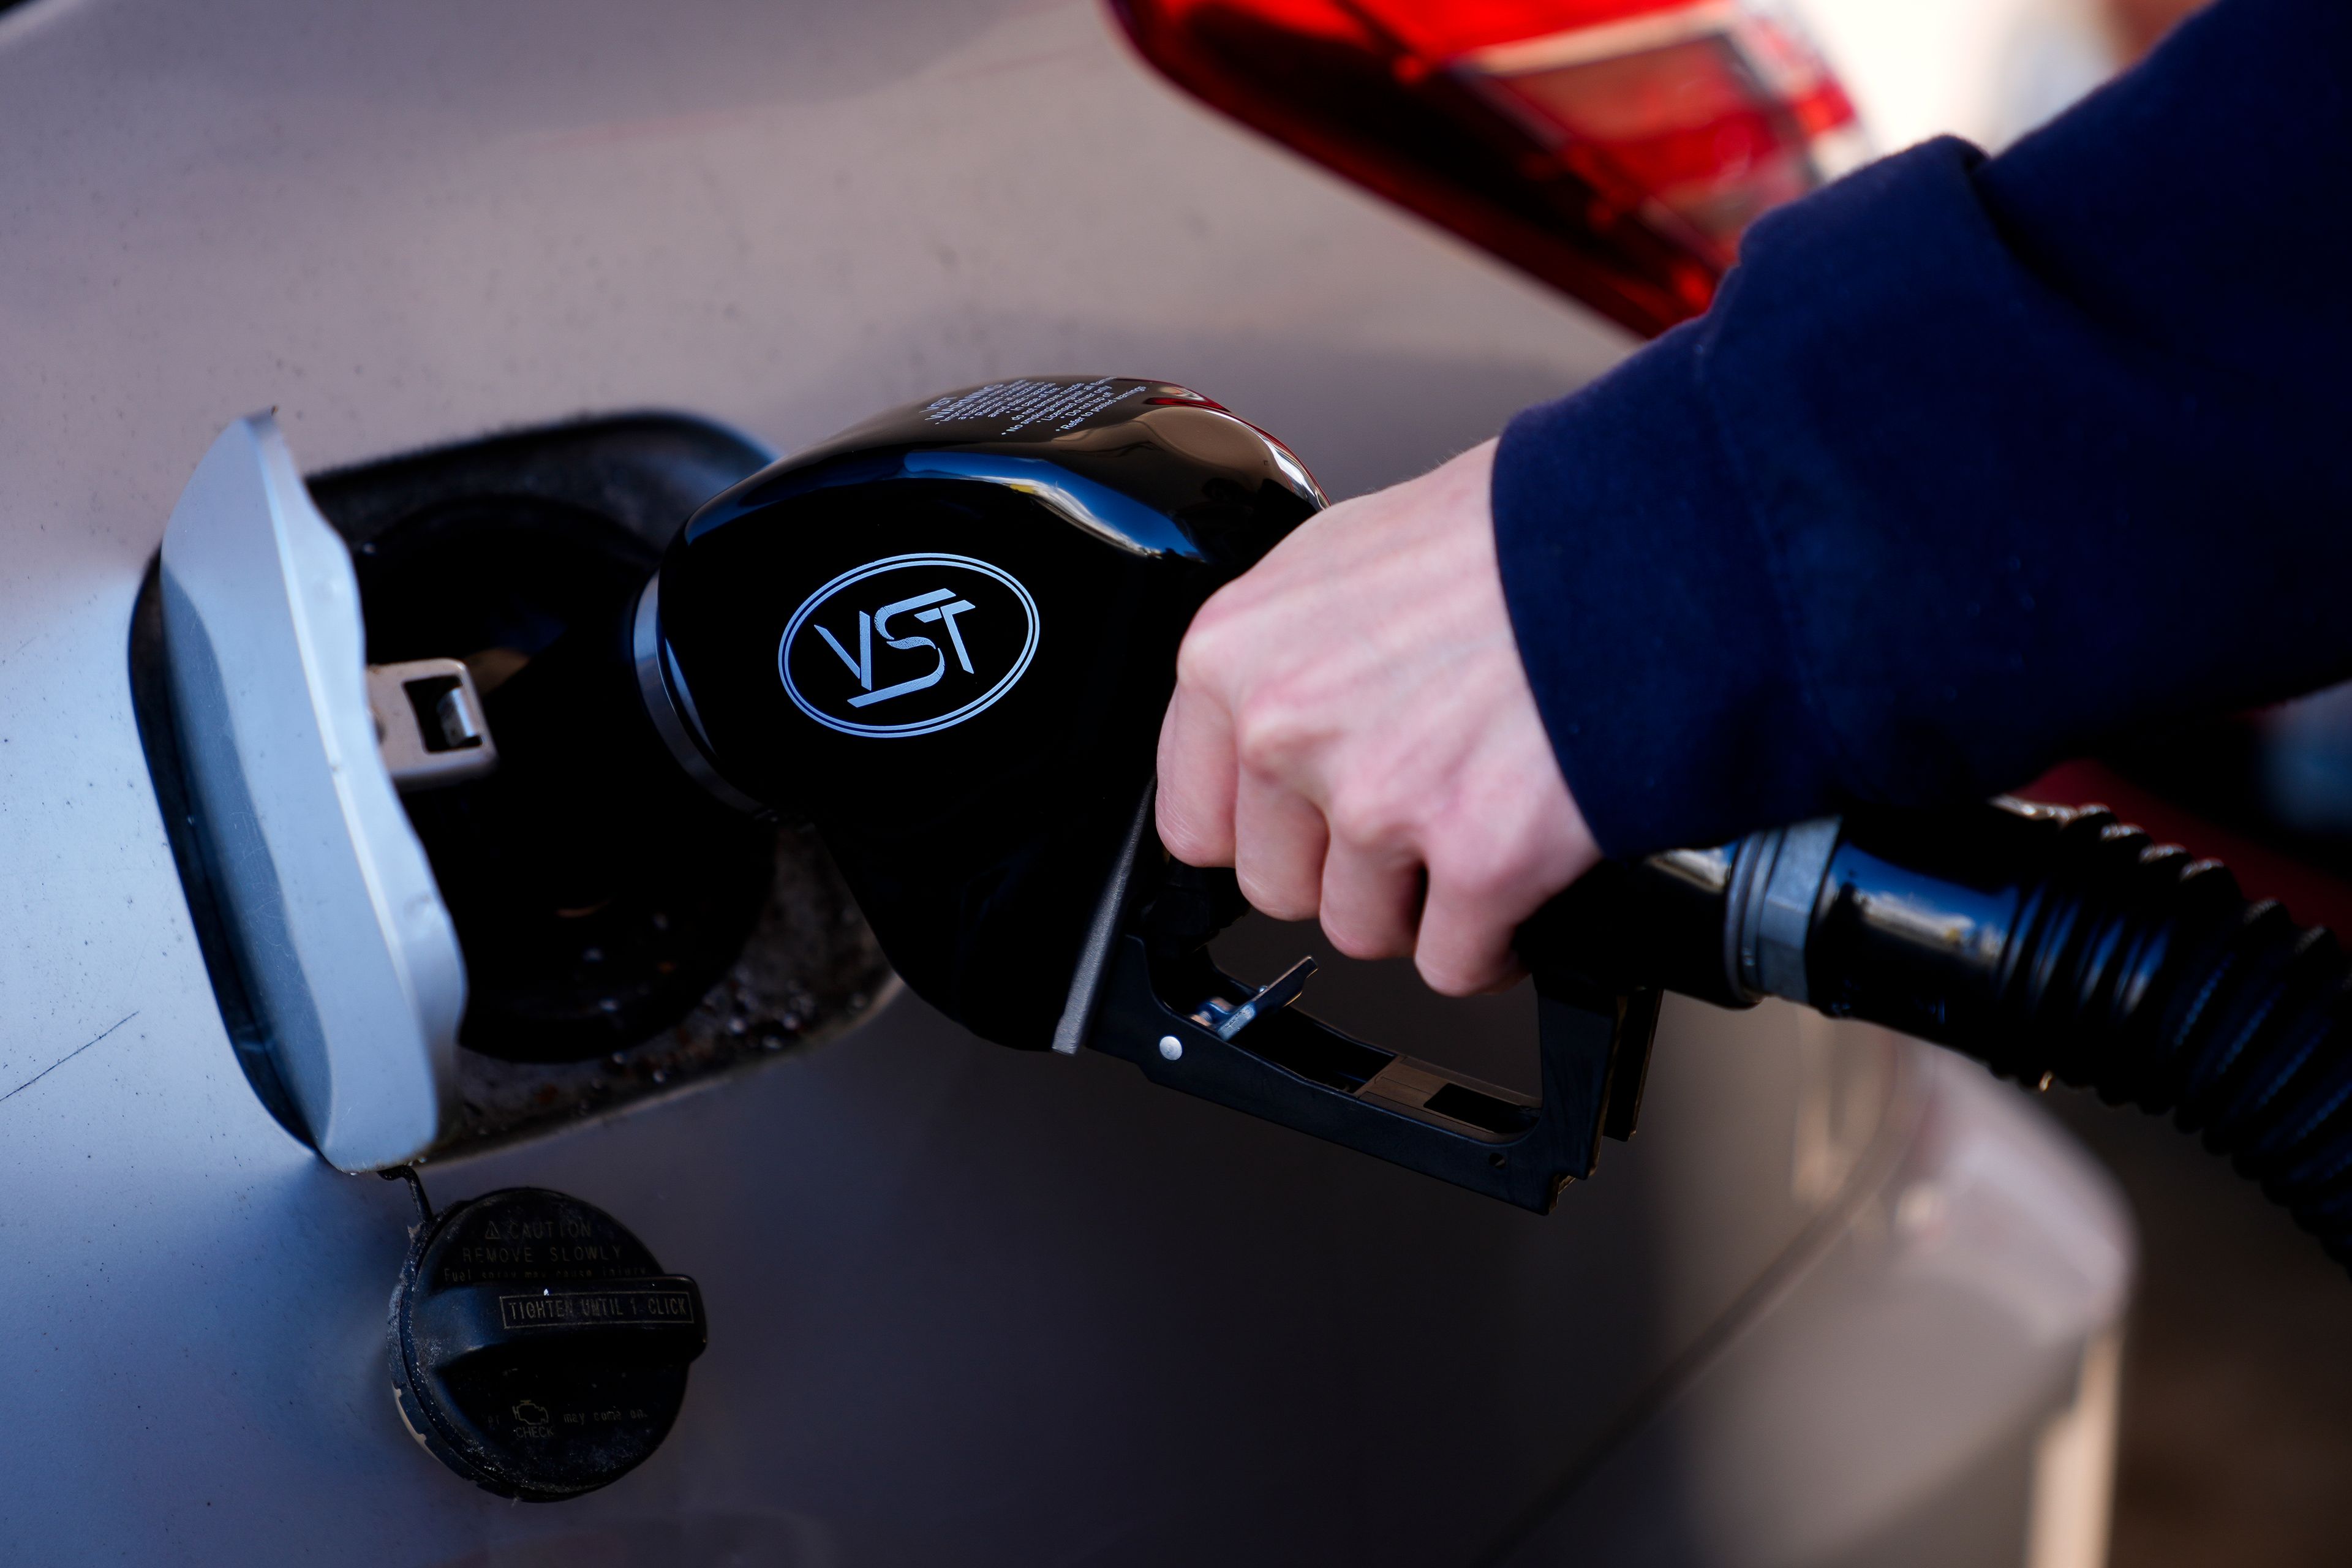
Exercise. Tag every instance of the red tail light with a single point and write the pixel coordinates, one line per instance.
(1613, 147)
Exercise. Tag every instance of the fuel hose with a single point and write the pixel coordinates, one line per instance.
(2051, 944)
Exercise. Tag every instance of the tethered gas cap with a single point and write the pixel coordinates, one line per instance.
(537, 1348)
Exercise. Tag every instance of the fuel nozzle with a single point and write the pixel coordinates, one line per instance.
(946, 638)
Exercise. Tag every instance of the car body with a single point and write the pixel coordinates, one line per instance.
(1843, 1301)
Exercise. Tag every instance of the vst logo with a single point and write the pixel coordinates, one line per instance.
(908, 645)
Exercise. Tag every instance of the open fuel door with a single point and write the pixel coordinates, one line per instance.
(347, 957)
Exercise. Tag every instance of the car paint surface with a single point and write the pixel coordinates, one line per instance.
(968, 1306)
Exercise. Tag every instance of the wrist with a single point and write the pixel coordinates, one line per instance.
(1644, 604)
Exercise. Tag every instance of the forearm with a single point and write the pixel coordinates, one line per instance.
(1973, 462)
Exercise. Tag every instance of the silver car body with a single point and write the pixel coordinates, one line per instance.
(1842, 1301)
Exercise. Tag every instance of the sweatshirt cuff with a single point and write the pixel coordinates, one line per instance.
(1643, 596)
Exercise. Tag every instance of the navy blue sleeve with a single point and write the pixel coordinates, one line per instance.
(1974, 464)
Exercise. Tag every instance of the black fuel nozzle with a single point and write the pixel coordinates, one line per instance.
(946, 638)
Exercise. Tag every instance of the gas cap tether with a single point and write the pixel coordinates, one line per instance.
(537, 1347)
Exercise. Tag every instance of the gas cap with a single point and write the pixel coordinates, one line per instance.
(537, 1348)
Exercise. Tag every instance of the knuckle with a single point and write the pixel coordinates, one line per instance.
(1211, 652)
(1369, 817)
(1267, 730)
(1473, 868)
(1200, 659)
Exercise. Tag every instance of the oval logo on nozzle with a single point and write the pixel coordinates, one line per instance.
(909, 645)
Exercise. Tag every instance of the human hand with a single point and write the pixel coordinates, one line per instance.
(1352, 732)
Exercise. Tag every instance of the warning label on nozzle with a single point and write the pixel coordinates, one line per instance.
(1022, 404)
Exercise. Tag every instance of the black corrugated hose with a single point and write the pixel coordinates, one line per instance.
(2055, 944)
